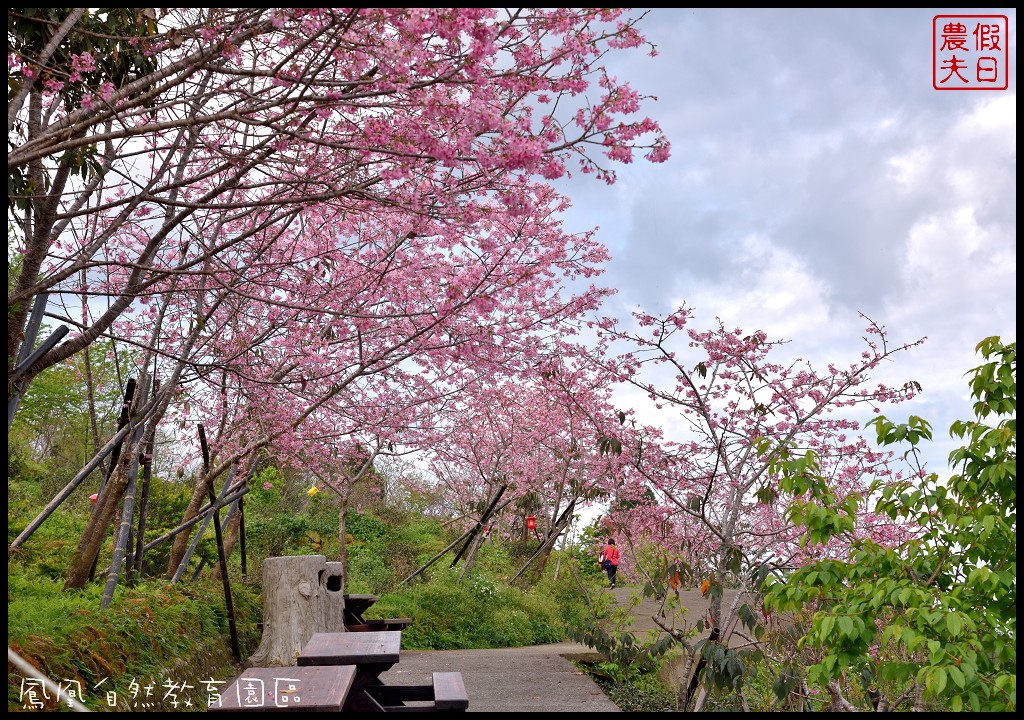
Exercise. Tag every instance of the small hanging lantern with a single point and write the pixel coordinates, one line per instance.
(531, 522)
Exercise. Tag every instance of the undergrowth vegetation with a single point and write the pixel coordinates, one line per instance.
(174, 638)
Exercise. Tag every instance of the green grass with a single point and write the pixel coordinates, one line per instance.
(155, 632)
(480, 611)
(158, 633)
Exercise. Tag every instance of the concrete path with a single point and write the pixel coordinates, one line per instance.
(533, 679)
(536, 679)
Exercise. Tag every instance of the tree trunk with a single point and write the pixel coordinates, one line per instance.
(467, 564)
(92, 537)
(724, 638)
(181, 542)
(545, 553)
(302, 595)
(342, 547)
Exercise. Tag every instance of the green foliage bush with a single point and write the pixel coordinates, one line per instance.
(282, 519)
(153, 632)
(936, 616)
(481, 611)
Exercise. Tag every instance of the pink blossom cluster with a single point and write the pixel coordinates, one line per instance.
(709, 491)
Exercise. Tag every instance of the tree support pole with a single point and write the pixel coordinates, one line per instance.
(480, 523)
(236, 492)
(221, 556)
(232, 508)
(127, 512)
(228, 605)
(549, 541)
(202, 529)
(241, 535)
(441, 554)
(115, 454)
(147, 478)
(27, 357)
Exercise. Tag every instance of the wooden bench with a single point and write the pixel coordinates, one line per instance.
(380, 624)
(447, 693)
(356, 605)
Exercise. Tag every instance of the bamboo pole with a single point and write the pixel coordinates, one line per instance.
(549, 541)
(232, 507)
(27, 356)
(221, 555)
(202, 528)
(437, 557)
(127, 509)
(442, 553)
(115, 454)
(241, 535)
(147, 478)
(236, 492)
(126, 408)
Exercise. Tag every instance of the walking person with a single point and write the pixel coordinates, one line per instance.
(610, 560)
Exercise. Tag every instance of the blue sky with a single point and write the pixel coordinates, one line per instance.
(817, 174)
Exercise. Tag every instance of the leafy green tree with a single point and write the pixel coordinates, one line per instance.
(932, 618)
(58, 426)
(81, 49)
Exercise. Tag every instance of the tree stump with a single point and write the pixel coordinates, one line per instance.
(302, 595)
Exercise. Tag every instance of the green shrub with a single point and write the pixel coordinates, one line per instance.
(153, 632)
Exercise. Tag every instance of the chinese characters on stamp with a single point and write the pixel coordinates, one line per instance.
(970, 52)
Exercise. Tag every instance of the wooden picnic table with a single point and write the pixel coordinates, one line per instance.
(277, 689)
(371, 653)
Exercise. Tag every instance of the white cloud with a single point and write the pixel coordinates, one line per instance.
(769, 288)
(817, 174)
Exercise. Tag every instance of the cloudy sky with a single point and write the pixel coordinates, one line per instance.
(817, 174)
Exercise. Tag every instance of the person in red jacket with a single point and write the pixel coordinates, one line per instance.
(610, 560)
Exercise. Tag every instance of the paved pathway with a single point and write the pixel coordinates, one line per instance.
(536, 679)
(532, 679)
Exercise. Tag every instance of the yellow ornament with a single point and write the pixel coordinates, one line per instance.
(313, 491)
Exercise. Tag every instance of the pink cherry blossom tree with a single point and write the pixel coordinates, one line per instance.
(376, 346)
(307, 199)
(539, 435)
(705, 494)
(235, 123)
